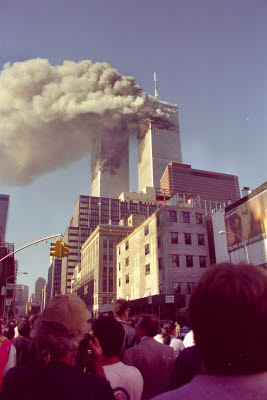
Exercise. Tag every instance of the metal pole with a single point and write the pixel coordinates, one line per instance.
(30, 244)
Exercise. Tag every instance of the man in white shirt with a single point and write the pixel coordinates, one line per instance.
(126, 381)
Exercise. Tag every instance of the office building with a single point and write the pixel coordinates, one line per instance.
(22, 294)
(98, 263)
(158, 145)
(164, 256)
(109, 179)
(8, 270)
(4, 203)
(215, 189)
(39, 285)
(89, 212)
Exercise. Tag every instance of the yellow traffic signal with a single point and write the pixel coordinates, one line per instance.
(65, 249)
(55, 250)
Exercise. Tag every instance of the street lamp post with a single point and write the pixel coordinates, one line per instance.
(229, 233)
(9, 277)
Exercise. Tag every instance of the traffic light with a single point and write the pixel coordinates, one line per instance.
(55, 250)
(65, 249)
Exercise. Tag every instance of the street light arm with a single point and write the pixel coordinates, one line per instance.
(30, 244)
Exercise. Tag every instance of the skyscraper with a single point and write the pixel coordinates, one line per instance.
(212, 186)
(158, 146)
(39, 285)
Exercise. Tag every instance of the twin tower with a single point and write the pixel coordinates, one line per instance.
(157, 145)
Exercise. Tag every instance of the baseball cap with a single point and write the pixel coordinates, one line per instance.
(66, 313)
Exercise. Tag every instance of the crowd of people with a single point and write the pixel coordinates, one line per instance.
(65, 354)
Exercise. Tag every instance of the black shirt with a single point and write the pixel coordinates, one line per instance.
(53, 381)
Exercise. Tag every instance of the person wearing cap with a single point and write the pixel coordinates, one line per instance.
(59, 331)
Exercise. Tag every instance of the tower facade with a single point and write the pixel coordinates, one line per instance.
(159, 145)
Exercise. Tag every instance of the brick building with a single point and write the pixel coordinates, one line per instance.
(214, 187)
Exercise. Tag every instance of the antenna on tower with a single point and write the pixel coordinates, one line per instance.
(155, 86)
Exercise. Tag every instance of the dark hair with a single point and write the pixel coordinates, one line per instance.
(227, 300)
(32, 318)
(150, 324)
(110, 334)
(9, 332)
(131, 322)
(167, 327)
(24, 328)
(119, 307)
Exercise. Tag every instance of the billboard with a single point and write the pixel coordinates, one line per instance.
(4, 201)
(247, 222)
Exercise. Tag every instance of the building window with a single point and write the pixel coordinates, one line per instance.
(160, 289)
(127, 245)
(126, 261)
(105, 285)
(119, 281)
(126, 278)
(147, 269)
(202, 261)
(190, 287)
(159, 242)
(186, 217)
(173, 216)
(160, 263)
(200, 238)
(158, 221)
(146, 229)
(147, 249)
(119, 266)
(175, 260)
(119, 251)
(177, 287)
(187, 238)
(189, 261)
(199, 218)
(174, 237)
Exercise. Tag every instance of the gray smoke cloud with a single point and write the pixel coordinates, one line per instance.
(51, 116)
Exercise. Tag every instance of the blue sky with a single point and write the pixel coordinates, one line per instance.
(210, 57)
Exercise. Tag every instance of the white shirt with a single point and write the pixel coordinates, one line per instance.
(189, 339)
(177, 345)
(11, 361)
(124, 380)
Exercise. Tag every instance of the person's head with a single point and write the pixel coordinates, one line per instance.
(227, 303)
(9, 332)
(168, 331)
(24, 328)
(147, 325)
(120, 309)
(62, 325)
(110, 334)
(32, 319)
(130, 322)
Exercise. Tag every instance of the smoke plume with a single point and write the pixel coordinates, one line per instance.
(52, 116)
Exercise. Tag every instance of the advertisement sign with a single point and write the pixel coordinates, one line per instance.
(10, 286)
(4, 201)
(8, 302)
(247, 222)
(169, 299)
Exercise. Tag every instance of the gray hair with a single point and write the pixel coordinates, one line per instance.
(54, 341)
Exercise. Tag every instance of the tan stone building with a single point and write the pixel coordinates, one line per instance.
(165, 255)
(98, 263)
